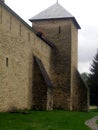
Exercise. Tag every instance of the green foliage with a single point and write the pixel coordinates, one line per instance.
(45, 120)
(93, 81)
(84, 77)
(97, 122)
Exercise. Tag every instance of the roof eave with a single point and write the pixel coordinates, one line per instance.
(76, 23)
(43, 19)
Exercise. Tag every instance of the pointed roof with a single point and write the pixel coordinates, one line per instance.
(55, 11)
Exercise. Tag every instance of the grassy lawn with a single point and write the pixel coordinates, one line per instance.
(43, 120)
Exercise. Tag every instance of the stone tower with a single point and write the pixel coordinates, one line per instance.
(38, 65)
(61, 28)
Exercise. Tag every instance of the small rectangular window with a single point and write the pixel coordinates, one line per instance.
(10, 23)
(7, 61)
(20, 29)
(1, 16)
(28, 37)
(59, 29)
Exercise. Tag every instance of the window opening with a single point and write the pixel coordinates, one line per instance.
(7, 61)
(59, 29)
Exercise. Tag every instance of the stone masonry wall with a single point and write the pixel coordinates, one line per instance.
(59, 32)
(39, 90)
(74, 60)
(18, 45)
(79, 91)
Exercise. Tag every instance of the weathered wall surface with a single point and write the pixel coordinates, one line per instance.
(42, 88)
(39, 89)
(68, 86)
(18, 81)
(80, 93)
(74, 46)
(59, 32)
(18, 45)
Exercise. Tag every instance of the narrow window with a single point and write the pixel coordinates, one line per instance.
(20, 29)
(28, 37)
(1, 16)
(7, 62)
(10, 23)
(59, 29)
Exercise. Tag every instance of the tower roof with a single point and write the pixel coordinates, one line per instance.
(55, 11)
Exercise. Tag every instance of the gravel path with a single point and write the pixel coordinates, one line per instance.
(92, 123)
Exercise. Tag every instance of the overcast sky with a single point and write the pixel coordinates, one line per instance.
(85, 11)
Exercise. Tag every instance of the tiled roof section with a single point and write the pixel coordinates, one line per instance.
(21, 20)
(55, 11)
(43, 72)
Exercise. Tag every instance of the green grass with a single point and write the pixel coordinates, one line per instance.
(97, 122)
(45, 120)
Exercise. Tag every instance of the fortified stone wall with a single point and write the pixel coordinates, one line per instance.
(18, 81)
(39, 90)
(18, 45)
(80, 93)
(59, 32)
(74, 60)
(42, 88)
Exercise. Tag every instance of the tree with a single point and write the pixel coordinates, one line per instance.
(84, 77)
(93, 81)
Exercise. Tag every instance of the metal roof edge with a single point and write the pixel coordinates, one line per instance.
(76, 23)
(73, 18)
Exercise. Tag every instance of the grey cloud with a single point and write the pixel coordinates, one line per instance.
(87, 46)
(88, 43)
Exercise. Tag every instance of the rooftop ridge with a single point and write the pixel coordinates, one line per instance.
(54, 11)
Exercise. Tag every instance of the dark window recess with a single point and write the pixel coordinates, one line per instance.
(59, 29)
(28, 37)
(10, 23)
(7, 61)
(1, 16)
(20, 29)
